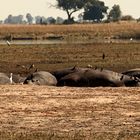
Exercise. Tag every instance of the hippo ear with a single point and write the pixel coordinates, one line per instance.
(136, 79)
(36, 70)
(122, 77)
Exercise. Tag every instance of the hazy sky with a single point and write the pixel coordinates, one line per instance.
(41, 7)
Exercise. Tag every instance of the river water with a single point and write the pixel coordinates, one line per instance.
(41, 42)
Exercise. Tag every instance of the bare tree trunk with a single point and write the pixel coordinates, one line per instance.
(70, 19)
(69, 16)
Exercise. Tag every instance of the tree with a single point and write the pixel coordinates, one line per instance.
(80, 17)
(59, 20)
(14, 19)
(9, 19)
(70, 6)
(51, 20)
(19, 19)
(115, 13)
(138, 20)
(38, 20)
(127, 18)
(29, 18)
(95, 10)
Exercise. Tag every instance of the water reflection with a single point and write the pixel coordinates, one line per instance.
(41, 42)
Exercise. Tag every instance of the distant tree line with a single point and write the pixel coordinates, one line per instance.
(19, 19)
(93, 11)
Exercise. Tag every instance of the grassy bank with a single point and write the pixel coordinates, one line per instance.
(122, 30)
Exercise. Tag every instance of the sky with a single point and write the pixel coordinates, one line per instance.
(44, 8)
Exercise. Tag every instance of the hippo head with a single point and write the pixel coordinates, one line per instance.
(41, 78)
(33, 79)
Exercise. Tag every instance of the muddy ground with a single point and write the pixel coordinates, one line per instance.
(42, 113)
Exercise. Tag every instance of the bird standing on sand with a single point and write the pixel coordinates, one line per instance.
(36, 70)
(89, 66)
(8, 43)
(31, 66)
(103, 56)
(11, 78)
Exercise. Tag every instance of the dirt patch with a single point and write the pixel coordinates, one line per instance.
(42, 112)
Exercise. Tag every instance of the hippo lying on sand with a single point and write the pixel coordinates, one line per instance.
(41, 78)
(63, 72)
(95, 78)
(133, 72)
(4, 79)
(17, 79)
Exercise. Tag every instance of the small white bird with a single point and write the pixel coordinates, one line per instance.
(8, 43)
(11, 78)
(31, 66)
(131, 39)
(89, 66)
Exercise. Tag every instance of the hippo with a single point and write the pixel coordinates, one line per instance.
(95, 78)
(133, 72)
(4, 79)
(63, 72)
(41, 78)
(17, 79)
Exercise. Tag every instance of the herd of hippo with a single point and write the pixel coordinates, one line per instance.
(77, 77)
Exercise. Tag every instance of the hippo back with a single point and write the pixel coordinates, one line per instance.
(94, 78)
(41, 78)
(4, 79)
(133, 72)
(111, 78)
(18, 79)
(63, 72)
(90, 78)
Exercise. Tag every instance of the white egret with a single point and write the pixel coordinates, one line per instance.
(11, 78)
(8, 43)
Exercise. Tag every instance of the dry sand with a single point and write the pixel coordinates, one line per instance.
(69, 113)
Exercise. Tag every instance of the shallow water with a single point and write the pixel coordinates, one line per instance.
(41, 42)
